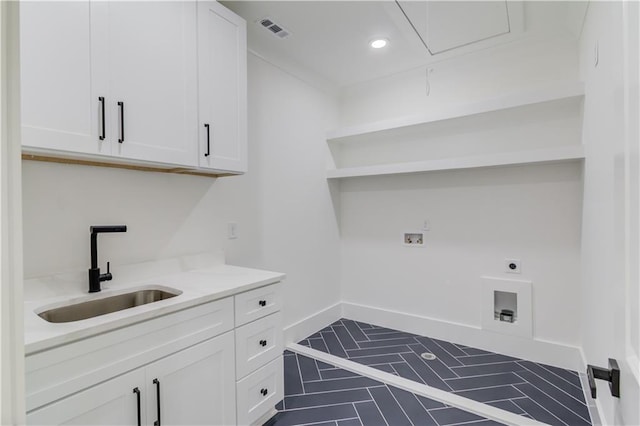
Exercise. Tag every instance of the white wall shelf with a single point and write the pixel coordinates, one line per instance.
(566, 153)
(558, 92)
(527, 127)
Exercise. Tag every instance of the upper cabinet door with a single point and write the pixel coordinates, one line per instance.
(62, 78)
(222, 78)
(153, 80)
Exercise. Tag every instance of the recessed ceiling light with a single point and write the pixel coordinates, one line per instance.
(379, 43)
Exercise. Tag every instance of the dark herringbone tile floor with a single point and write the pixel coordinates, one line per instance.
(547, 394)
(317, 393)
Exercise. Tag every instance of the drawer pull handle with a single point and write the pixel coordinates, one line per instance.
(206, 154)
(137, 392)
(263, 343)
(262, 303)
(102, 123)
(157, 383)
(264, 391)
(121, 106)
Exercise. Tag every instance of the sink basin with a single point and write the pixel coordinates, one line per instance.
(106, 305)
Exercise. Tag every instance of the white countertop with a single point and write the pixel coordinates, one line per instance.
(197, 285)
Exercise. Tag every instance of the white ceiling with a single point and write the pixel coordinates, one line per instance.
(443, 26)
(329, 40)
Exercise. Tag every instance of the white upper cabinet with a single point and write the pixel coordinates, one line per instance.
(123, 82)
(60, 88)
(222, 79)
(153, 80)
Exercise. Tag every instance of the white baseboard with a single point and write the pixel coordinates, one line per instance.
(264, 419)
(311, 324)
(554, 354)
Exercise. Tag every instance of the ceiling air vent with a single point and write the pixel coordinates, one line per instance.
(275, 29)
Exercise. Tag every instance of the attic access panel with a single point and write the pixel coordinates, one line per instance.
(447, 25)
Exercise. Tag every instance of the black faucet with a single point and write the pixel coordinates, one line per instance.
(95, 277)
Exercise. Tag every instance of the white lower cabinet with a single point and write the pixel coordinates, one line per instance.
(259, 346)
(258, 303)
(196, 366)
(110, 403)
(258, 343)
(194, 386)
(260, 391)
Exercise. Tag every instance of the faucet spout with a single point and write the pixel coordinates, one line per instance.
(95, 277)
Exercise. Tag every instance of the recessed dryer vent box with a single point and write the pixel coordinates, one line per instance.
(505, 306)
(413, 239)
(512, 299)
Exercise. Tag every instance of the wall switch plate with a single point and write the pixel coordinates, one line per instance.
(513, 266)
(232, 230)
(413, 239)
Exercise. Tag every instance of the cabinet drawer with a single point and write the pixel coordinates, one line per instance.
(260, 392)
(258, 343)
(257, 303)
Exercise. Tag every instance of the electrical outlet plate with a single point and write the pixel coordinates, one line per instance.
(513, 266)
(413, 239)
(232, 230)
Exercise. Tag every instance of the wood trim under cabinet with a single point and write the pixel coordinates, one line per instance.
(81, 162)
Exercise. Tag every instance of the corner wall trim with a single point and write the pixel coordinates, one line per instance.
(594, 405)
(311, 324)
(12, 380)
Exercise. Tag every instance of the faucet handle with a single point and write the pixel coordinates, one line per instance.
(107, 275)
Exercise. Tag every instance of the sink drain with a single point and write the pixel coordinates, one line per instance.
(428, 356)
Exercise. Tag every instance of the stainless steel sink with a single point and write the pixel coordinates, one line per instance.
(96, 307)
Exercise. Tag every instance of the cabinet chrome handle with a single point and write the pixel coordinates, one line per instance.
(264, 391)
(137, 392)
(206, 154)
(157, 383)
(102, 124)
(263, 343)
(262, 303)
(121, 106)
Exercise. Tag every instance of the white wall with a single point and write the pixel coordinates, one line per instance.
(282, 205)
(471, 77)
(167, 215)
(603, 294)
(287, 124)
(478, 217)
